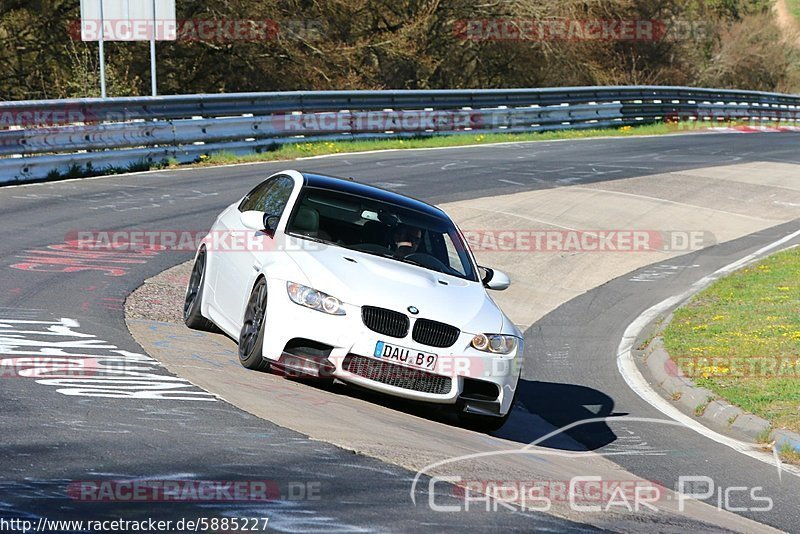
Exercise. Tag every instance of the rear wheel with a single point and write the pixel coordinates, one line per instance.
(192, 304)
(251, 338)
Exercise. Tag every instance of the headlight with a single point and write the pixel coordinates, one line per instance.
(495, 343)
(316, 300)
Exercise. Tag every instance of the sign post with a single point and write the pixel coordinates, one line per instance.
(103, 92)
(153, 81)
(128, 20)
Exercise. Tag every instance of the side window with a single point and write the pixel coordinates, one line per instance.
(250, 201)
(270, 197)
(274, 201)
(454, 260)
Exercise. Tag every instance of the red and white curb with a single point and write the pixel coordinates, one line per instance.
(756, 129)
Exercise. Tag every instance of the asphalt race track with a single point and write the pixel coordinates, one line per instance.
(54, 299)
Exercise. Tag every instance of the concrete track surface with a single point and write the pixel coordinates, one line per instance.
(198, 416)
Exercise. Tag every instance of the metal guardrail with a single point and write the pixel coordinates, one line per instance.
(41, 138)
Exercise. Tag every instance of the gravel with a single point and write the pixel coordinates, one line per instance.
(161, 298)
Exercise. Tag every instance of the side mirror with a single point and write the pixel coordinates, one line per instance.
(260, 221)
(494, 279)
(271, 223)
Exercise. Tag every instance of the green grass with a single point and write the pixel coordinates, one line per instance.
(794, 8)
(300, 149)
(788, 454)
(740, 338)
(318, 148)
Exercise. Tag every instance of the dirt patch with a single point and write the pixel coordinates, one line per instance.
(788, 22)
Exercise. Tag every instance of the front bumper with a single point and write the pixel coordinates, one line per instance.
(460, 370)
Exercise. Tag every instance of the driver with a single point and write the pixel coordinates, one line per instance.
(406, 240)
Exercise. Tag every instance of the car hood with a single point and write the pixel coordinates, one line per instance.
(363, 279)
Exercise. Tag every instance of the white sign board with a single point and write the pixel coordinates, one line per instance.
(128, 20)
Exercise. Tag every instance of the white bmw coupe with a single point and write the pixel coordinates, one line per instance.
(333, 279)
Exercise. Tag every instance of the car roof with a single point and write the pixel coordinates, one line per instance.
(369, 191)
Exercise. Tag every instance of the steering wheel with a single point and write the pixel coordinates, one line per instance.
(429, 261)
(370, 247)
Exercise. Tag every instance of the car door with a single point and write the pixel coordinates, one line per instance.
(245, 249)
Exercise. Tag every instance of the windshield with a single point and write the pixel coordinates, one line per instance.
(382, 229)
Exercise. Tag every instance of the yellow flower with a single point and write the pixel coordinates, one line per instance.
(712, 370)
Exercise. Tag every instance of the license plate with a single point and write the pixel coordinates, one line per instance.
(405, 356)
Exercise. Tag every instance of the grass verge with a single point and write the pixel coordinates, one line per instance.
(290, 151)
(794, 8)
(790, 455)
(740, 338)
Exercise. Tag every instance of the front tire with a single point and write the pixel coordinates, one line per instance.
(193, 302)
(251, 338)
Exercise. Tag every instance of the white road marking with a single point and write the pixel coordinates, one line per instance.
(512, 182)
(538, 171)
(623, 166)
(559, 357)
(665, 201)
(636, 381)
(390, 185)
(596, 172)
(92, 368)
(659, 271)
(464, 165)
(555, 225)
(527, 218)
